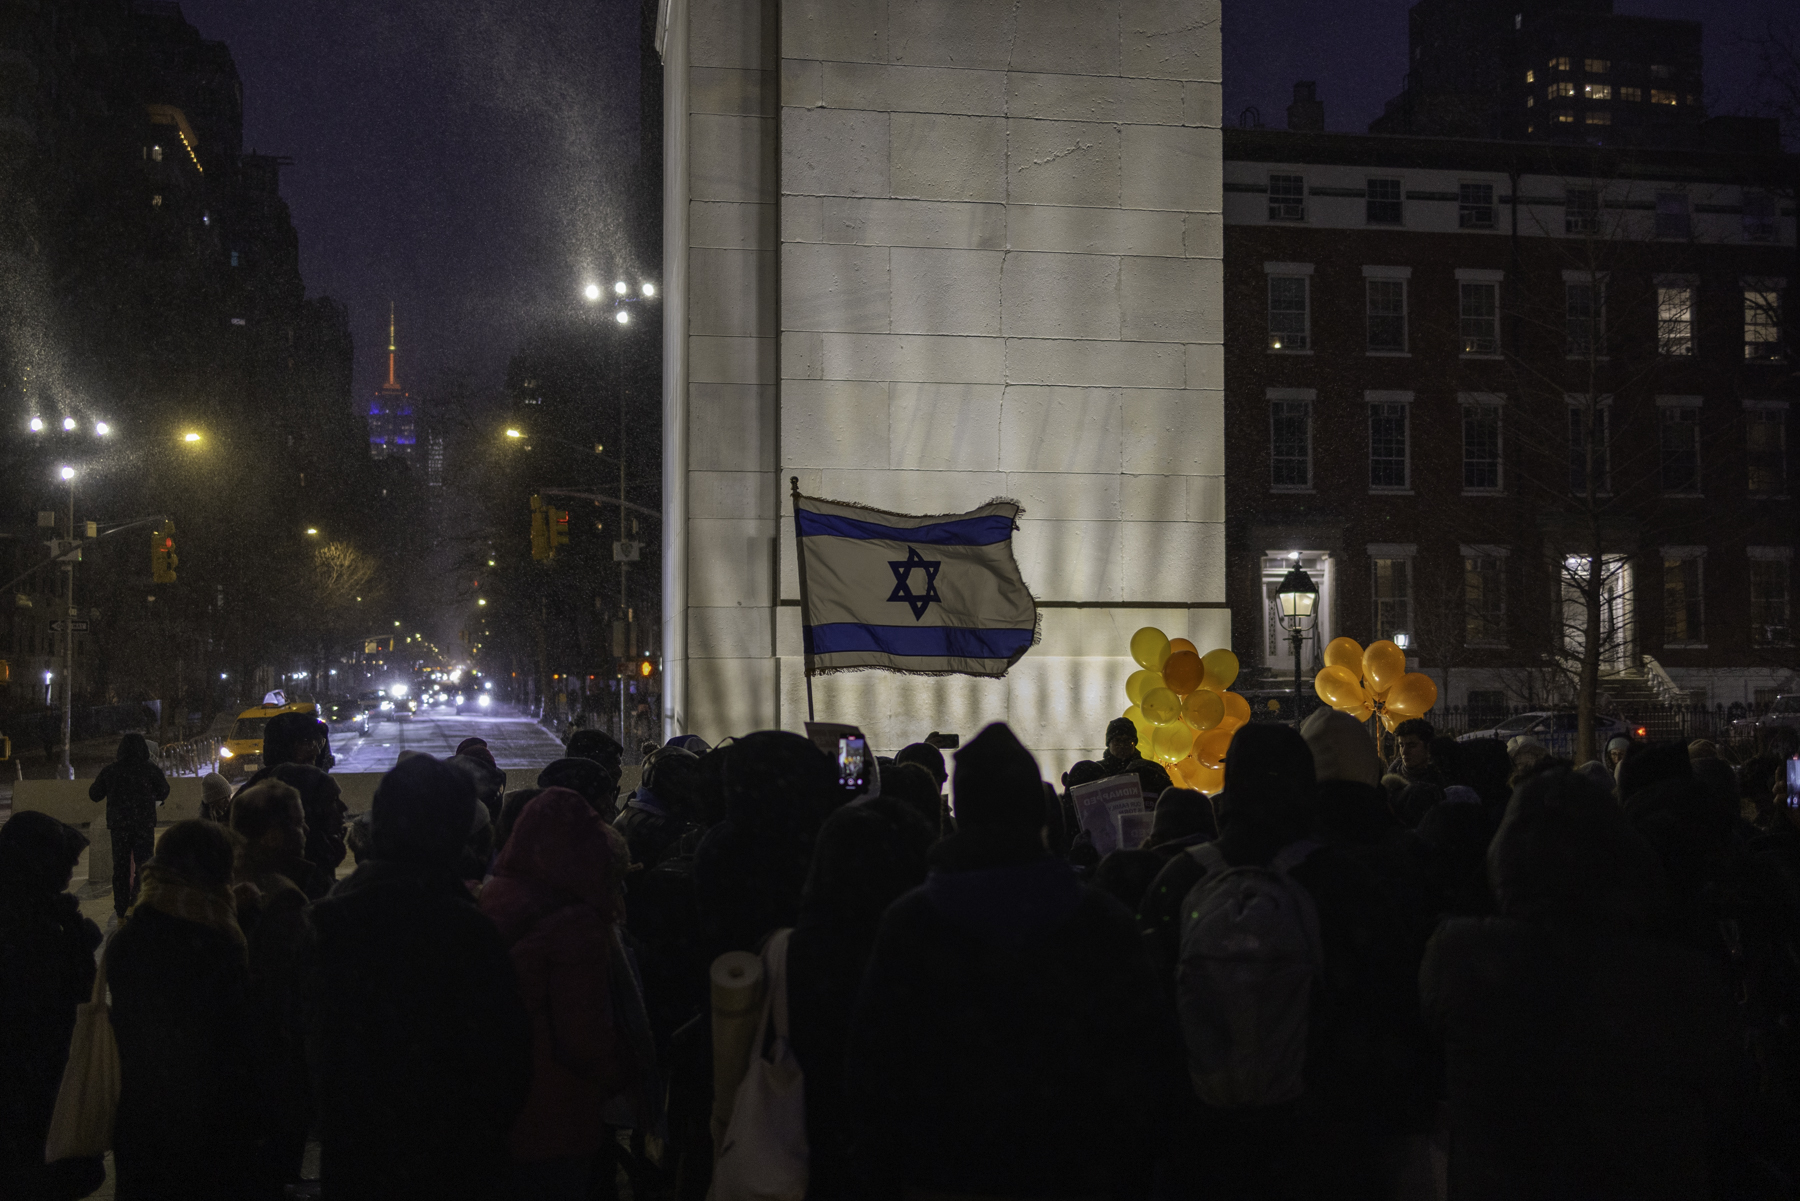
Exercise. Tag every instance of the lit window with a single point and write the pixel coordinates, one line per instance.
(1384, 205)
(1590, 451)
(1386, 314)
(1290, 443)
(1530, 75)
(1484, 600)
(1530, 100)
(1769, 600)
(1581, 211)
(1481, 447)
(1672, 215)
(1287, 198)
(1388, 460)
(1565, 117)
(1680, 450)
(1596, 66)
(1765, 451)
(1601, 117)
(1659, 96)
(156, 154)
(1675, 319)
(1634, 95)
(1759, 217)
(1392, 580)
(1560, 64)
(156, 200)
(1558, 90)
(1475, 205)
(1597, 91)
(1684, 619)
(1585, 317)
(1288, 326)
(1762, 322)
(1479, 314)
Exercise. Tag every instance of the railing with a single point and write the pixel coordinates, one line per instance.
(1667, 691)
(195, 757)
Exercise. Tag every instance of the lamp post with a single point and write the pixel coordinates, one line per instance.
(68, 697)
(1298, 598)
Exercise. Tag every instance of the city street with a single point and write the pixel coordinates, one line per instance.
(521, 747)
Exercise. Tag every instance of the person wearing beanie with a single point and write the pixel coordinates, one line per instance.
(928, 757)
(473, 755)
(1184, 817)
(215, 798)
(596, 780)
(1121, 746)
(975, 1065)
(1361, 1073)
(420, 1044)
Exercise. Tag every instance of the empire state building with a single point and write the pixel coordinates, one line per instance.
(393, 429)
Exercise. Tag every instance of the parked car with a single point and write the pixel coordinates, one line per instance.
(1554, 730)
(1783, 714)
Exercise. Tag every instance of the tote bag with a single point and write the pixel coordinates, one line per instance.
(82, 1123)
(764, 1155)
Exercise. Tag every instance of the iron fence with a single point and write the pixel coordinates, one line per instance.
(195, 757)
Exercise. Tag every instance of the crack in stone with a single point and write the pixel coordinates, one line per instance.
(1038, 162)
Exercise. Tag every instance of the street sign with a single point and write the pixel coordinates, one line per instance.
(626, 552)
(78, 625)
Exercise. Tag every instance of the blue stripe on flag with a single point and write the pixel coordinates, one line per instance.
(969, 531)
(921, 641)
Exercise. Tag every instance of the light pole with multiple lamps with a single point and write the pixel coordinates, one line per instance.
(1298, 598)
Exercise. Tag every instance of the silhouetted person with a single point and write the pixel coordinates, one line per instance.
(132, 787)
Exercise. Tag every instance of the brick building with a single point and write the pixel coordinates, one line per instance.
(1458, 370)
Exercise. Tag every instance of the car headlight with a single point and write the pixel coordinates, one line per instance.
(225, 752)
(484, 700)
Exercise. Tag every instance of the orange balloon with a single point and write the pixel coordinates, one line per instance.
(1413, 696)
(1237, 708)
(1338, 687)
(1203, 709)
(1182, 672)
(1345, 652)
(1176, 645)
(1383, 665)
(1210, 747)
(1389, 721)
(1210, 780)
(1184, 771)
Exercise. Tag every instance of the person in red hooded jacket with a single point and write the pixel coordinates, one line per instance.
(557, 897)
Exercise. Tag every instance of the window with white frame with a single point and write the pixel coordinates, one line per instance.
(1675, 317)
(1290, 444)
(1478, 313)
(1385, 203)
(1765, 447)
(1390, 578)
(1684, 609)
(1389, 462)
(1679, 445)
(1584, 302)
(1481, 461)
(1590, 450)
(1762, 319)
(1386, 315)
(1287, 197)
(1484, 596)
(1769, 595)
(1475, 206)
(1289, 325)
(1672, 219)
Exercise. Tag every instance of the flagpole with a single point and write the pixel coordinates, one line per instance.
(805, 610)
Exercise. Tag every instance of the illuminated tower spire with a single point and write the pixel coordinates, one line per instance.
(392, 383)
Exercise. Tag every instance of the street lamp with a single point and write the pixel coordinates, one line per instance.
(623, 317)
(68, 423)
(592, 291)
(190, 437)
(101, 429)
(513, 433)
(68, 557)
(311, 530)
(37, 425)
(649, 290)
(620, 288)
(1298, 598)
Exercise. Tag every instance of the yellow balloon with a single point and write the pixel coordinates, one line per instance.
(1236, 708)
(1338, 687)
(1221, 669)
(1345, 652)
(1171, 744)
(1413, 696)
(1140, 682)
(1142, 724)
(1177, 645)
(1203, 709)
(1210, 747)
(1383, 665)
(1389, 721)
(1210, 780)
(1150, 647)
(1161, 706)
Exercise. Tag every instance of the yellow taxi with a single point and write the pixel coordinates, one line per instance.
(241, 754)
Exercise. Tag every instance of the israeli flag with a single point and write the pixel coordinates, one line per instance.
(923, 595)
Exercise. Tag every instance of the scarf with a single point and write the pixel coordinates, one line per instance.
(172, 893)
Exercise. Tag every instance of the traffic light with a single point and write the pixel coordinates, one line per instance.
(163, 559)
(557, 521)
(646, 668)
(540, 531)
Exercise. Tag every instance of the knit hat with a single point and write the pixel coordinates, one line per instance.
(423, 812)
(1121, 727)
(1341, 748)
(476, 748)
(1269, 781)
(1182, 813)
(997, 783)
(597, 745)
(215, 790)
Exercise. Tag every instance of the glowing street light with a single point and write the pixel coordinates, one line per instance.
(311, 530)
(482, 601)
(68, 473)
(190, 436)
(649, 290)
(620, 288)
(513, 433)
(37, 425)
(68, 423)
(592, 291)
(101, 429)
(622, 317)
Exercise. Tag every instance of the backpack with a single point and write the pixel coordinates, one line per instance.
(1250, 960)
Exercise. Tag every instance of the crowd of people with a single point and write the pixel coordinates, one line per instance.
(1476, 971)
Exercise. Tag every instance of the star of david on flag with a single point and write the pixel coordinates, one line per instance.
(933, 595)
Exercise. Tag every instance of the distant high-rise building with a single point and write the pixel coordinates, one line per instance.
(393, 428)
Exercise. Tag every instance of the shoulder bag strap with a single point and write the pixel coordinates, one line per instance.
(775, 969)
(1208, 857)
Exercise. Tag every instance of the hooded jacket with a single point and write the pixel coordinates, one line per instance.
(131, 785)
(555, 898)
(1585, 1058)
